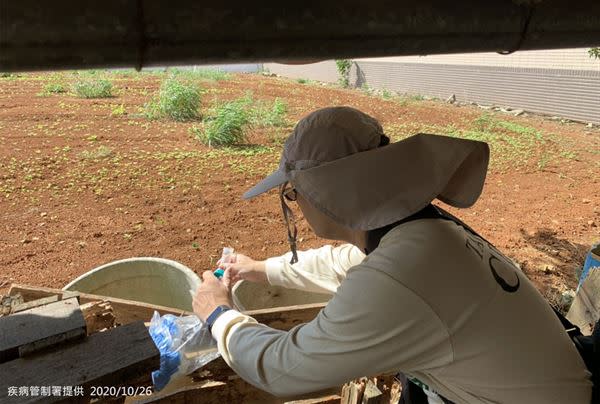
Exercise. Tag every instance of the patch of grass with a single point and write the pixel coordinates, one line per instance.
(416, 97)
(386, 94)
(201, 74)
(274, 115)
(247, 150)
(118, 110)
(367, 89)
(178, 99)
(511, 144)
(303, 81)
(543, 161)
(7, 75)
(483, 122)
(226, 124)
(401, 99)
(520, 129)
(93, 88)
(99, 153)
(53, 88)
(571, 155)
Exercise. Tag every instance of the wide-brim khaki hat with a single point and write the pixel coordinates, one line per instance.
(335, 160)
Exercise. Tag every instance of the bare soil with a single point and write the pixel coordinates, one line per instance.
(82, 184)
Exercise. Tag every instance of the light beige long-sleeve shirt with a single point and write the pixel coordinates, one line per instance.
(433, 301)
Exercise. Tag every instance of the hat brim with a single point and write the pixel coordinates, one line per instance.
(372, 189)
(272, 181)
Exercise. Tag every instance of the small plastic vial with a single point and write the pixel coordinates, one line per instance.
(225, 258)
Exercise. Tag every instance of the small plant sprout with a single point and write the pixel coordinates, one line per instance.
(118, 110)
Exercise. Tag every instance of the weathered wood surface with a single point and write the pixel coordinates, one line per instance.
(122, 356)
(235, 391)
(352, 393)
(98, 316)
(126, 311)
(373, 390)
(585, 310)
(8, 303)
(40, 327)
(218, 382)
(372, 394)
(34, 303)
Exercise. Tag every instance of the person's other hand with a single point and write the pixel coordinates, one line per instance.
(243, 267)
(211, 294)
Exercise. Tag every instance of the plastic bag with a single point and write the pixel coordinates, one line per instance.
(592, 263)
(185, 344)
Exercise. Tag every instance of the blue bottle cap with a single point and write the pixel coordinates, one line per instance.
(219, 273)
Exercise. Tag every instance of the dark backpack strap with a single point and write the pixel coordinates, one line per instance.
(588, 347)
(595, 366)
(411, 392)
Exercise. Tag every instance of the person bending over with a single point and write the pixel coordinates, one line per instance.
(415, 291)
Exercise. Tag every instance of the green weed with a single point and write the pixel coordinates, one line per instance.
(226, 124)
(118, 110)
(93, 88)
(483, 122)
(53, 88)
(201, 74)
(543, 161)
(343, 67)
(246, 150)
(275, 115)
(178, 99)
(7, 75)
(520, 129)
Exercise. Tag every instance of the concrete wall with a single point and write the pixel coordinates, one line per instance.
(564, 83)
(322, 71)
(234, 68)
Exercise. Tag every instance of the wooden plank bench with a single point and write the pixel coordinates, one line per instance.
(215, 382)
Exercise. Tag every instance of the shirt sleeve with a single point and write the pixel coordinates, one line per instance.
(373, 324)
(319, 270)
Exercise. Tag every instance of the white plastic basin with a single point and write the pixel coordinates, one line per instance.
(254, 296)
(143, 279)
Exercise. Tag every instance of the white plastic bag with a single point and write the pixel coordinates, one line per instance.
(185, 344)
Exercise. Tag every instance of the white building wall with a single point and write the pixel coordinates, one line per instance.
(567, 59)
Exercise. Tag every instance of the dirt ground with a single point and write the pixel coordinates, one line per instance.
(87, 181)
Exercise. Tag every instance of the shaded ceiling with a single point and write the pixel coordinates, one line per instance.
(63, 34)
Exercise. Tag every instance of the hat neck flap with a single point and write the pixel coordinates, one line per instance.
(372, 189)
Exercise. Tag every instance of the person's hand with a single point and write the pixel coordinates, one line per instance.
(211, 294)
(243, 267)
